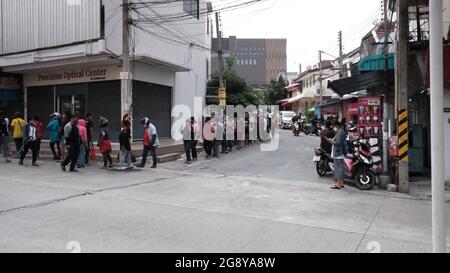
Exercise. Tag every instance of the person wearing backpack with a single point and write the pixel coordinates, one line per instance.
(338, 153)
(30, 141)
(4, 135)
(17, 127)
(73, 140)
(151, 143)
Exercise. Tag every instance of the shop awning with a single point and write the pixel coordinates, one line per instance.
(369, 80)
(292, 87)
(150, 60)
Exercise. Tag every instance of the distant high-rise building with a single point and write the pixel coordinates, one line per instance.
(256, 60)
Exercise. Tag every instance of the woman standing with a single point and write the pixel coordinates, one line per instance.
(104, 143)
(337, 153)
(83, 135)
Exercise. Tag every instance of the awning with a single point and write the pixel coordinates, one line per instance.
(376, 80)
(295, 99)
(292, 87)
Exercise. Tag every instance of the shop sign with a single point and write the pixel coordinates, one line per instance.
(9, 83)
(353, 108)
(72, 76)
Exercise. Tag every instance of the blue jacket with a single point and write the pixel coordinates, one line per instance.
(53, 128)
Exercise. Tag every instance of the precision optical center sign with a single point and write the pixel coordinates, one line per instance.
(81, 75)
(99, 74)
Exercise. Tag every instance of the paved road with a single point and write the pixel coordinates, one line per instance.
(248, 201)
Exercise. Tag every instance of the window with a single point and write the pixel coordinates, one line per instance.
(192, 7)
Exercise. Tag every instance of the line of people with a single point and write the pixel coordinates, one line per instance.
(216, 138)
(71, 138)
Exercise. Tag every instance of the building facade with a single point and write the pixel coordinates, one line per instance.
(257, 60)
(309, 87)
(68, 57)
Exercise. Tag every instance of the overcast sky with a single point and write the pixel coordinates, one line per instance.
(309, 25)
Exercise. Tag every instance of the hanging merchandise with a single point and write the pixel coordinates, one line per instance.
(369, 117)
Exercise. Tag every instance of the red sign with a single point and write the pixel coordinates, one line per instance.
(446, 68)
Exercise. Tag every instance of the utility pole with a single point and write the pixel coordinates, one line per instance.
(437, 130)
(320, 77)
(387, 31)
(222, 90)
(341, 56)
(126, 97)
(401, 93)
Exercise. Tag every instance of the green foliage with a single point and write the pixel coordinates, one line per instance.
(309, 115)
(238, 92)
(275, 92)
(230, 61)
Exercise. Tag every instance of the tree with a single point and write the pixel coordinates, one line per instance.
(275, 91)
(238, 91)
(230, 61)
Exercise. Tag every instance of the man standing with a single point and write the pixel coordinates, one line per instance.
(54, 129)
(73, 141)
(151, 143)
(30, 141)
(4, 135)
(17, 126)
(39, 132)
(125, 146)
(326, 133)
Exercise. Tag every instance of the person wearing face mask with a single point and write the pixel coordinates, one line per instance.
(337, 153)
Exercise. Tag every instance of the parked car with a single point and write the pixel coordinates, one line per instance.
(286, 119)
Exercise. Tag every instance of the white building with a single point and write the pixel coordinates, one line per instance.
(68, 53)
(308, 94)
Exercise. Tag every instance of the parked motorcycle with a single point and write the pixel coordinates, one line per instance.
(359, 166)
(305, 127)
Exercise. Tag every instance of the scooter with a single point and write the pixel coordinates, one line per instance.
(296, 128)
(359, 166)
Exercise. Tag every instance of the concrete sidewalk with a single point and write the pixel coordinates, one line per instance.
(421, 188)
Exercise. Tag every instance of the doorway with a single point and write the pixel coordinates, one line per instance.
(74, 104)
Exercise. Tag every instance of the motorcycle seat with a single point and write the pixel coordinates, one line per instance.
(350, 156)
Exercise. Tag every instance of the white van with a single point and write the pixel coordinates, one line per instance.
(286, 119)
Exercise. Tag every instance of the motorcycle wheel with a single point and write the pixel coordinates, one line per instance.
(365, 180)
(321, 171)
(307, 132)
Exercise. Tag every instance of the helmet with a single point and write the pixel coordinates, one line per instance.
(145, 122)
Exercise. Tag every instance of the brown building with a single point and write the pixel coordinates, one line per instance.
(256, 60)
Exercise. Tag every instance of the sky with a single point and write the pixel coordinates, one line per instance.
(308, 25)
